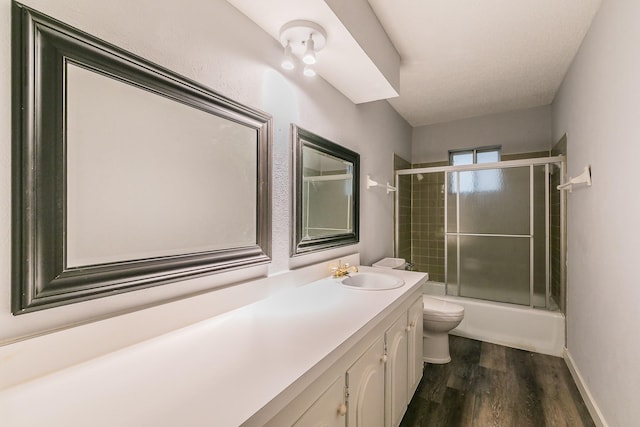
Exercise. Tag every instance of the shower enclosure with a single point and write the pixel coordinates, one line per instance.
(490, 231)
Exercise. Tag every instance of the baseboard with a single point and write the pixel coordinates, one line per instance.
(594, 411)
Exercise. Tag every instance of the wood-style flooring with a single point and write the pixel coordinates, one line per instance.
(487, 385)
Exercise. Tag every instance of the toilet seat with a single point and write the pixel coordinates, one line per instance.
(440, 310)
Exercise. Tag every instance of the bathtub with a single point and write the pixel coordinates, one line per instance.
(536, 330)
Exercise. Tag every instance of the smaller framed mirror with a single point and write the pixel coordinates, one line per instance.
(326, 194)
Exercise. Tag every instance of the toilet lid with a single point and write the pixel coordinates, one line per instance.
(441, 309)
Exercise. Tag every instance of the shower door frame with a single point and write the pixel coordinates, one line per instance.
(531, 163)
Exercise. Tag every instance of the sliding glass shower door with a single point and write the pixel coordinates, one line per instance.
(501, 230)
(496, 239)
(488, 234)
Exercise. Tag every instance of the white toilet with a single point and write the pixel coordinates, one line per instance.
(391, 263)
(439, 318)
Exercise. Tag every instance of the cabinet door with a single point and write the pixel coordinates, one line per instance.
(396, 375)
(329, 410)
(365, 384)
(415, 364)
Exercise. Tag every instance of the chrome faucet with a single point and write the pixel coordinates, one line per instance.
(343, 270)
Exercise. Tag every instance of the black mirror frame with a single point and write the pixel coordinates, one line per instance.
(40, 279)
(299, 246)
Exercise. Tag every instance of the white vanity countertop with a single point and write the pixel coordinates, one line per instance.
(218, 372)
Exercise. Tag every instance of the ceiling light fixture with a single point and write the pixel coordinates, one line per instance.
(287, 61)
(302, 39)
(309, 57)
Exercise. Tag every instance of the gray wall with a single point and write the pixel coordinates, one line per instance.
(214, 44)
(517, 131)
(598, 107)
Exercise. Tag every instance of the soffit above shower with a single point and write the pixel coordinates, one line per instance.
(359, 60)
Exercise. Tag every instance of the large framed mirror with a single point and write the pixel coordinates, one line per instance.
(326, 195)
(125, 174)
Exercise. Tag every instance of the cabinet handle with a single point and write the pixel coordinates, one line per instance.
(383, 359)
(408, 328)
(342, 410)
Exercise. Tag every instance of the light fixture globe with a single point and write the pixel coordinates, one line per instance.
(309, 57)
(287, 61)
(305, 38)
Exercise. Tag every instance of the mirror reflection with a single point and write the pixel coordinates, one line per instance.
(139, 187)
(325, 194)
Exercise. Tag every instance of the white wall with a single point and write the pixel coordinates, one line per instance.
(211, 42)
(598, 107)
(519, 131)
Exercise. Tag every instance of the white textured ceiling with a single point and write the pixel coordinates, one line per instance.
(466, 58)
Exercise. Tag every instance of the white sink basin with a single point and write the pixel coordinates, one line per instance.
(372, 281)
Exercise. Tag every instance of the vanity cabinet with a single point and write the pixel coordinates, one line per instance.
(329, 410)
(396, 339)
(404, 362)
(372, 384)
(365, 387)
(415, 363)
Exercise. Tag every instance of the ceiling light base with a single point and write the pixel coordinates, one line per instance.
(296, 33)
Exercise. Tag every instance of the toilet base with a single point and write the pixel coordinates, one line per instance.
(436, 361)
(435, 348)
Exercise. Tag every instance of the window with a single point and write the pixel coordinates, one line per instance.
(474, 155)
(481, 180)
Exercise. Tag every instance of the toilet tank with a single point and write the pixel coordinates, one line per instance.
(394, 263)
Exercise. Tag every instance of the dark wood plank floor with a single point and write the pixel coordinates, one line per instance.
(487, 385)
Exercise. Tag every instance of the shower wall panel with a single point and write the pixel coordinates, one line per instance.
(403, 213)
(557, 276)
(427, 222)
